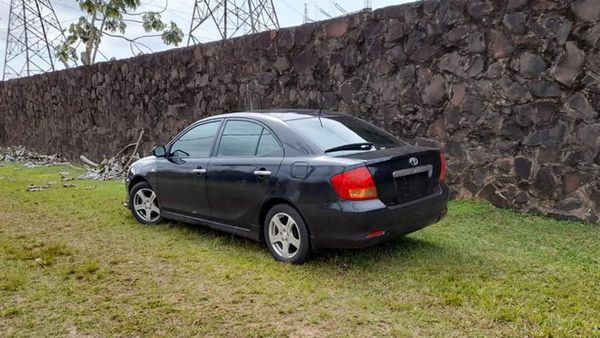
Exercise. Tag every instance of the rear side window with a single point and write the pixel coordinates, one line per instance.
(268, 145)
(197, 141)
(248, 139)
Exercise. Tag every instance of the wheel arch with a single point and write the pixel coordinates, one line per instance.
(135, 180)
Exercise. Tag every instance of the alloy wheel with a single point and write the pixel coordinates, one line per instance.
(145, 205)
(284, 235)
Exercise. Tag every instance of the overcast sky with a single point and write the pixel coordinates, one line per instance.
(290, 13)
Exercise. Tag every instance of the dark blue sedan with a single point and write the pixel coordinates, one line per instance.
(298, 180)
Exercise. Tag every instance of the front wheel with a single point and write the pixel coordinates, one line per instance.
(286, 235)
(144, 204)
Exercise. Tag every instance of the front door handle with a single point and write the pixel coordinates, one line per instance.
(199, 171)
(262, 173)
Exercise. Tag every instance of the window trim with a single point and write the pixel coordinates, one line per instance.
(217, 144)
(192, 126)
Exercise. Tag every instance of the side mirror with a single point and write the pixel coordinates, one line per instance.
(159, 151)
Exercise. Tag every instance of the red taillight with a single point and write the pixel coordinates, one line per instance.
(355, 185)
(442, 168)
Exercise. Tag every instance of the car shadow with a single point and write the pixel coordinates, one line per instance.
(403, 248)
(397, 249)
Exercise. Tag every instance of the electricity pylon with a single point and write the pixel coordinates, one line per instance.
(368, 4)
(231, 18)
(33, 30)
(306, 18)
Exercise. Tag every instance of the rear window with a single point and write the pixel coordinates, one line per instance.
(336, 131)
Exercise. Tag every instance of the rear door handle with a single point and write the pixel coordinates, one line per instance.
(199, 171)
(262, 173)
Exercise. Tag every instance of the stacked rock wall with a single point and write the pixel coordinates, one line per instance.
(509, 88)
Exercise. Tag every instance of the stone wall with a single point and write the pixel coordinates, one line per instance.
(510, 89)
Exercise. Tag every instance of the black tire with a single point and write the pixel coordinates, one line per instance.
(154, 209)
(296, 235)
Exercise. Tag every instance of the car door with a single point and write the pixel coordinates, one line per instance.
(181, 176)
(244, 166)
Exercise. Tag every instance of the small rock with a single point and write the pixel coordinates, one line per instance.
(578, 107)
(476, 43)
(546, 181)
(572, 181)
(515, 22)
(434, 93)
(550, 136)
(569, 204)
(545, 89)
(522, 197)
(586, 10)
(544, 113)
(499, 46)
(395, 31)
(531, 65)
(523, 167)
(337, 28)
(479, 8)
(515, 4)
(569, 66)
(424, 53)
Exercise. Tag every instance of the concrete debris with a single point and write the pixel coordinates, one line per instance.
(34, 188)
(29, 158)
(113, 168)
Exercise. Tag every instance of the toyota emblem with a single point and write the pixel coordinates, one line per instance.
(413, 161)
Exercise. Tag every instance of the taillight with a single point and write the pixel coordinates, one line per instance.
(442, 168)
(355, 185)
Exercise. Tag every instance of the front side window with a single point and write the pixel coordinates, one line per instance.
(247, 139)
(197, 141)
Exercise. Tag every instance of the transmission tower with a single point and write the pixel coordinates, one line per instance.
(33, 30)
(368, 4)
(231, 18)
(306, 18)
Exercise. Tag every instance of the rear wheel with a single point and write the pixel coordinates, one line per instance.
(286, 235)
(144, 204)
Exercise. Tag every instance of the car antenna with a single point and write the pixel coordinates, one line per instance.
(319, 112)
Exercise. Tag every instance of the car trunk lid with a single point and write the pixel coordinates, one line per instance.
(402, 174)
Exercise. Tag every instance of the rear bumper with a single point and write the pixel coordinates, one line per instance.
(347, 224)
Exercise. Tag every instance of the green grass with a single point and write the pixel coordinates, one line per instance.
(73, 261)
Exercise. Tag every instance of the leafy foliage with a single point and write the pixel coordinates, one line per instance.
(110, 18)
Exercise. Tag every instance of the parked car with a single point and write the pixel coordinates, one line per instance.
(298, 180)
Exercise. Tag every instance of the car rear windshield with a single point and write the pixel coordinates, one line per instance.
(336, 131)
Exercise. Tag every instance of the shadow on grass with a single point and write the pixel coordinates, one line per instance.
(400, 249)
(403, 247)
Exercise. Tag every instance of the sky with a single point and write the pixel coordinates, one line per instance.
(289, 12)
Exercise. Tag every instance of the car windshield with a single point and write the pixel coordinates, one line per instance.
(344, 134)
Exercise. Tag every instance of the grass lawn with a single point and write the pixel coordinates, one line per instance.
(74, 262)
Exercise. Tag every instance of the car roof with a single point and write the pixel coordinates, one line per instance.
(285, 114)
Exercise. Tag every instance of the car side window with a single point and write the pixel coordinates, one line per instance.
(268, 145)
(197, 141)
(247, 139)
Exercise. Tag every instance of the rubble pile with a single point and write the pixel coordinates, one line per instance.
(113, 168)
(29, 158)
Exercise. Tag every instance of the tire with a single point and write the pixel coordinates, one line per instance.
(141, 207)
(286, 235)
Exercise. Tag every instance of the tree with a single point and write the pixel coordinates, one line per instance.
(110, 18)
